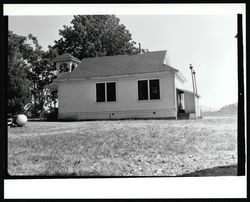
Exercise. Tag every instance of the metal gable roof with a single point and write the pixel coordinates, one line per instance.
(148, 62)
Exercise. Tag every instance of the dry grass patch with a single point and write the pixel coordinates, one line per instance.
(124, 148)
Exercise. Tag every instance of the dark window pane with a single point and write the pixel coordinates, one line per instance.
(73, 67)
(111, 92)
(154, 89)
(63, 68)
(143, 90)
(100, 92)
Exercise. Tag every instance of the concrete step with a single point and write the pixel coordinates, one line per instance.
(182, 115)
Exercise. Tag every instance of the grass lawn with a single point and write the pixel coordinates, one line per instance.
(125, 148)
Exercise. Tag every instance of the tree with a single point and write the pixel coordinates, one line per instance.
(40, 73)
(30, 70)
(18, 86)
(95, 36)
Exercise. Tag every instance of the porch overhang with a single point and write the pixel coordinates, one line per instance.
(188, 91)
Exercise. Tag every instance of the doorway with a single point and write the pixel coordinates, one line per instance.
(180, 101)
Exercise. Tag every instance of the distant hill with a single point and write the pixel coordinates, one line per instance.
(231, 108)
(205, 108)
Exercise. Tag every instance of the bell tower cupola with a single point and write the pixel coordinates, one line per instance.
(65, 63)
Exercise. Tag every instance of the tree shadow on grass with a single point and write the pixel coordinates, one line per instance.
(61, 174)
(230, 170)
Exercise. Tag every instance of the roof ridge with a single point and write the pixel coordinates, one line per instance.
(123, 55)
(65, 55)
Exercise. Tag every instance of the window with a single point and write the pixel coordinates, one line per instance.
(73, 67)
(63, 68)
(153, 91)
(111, 92)
(107, 93)
(100, 92)
(143, 90)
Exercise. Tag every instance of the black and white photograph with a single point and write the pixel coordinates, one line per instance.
(113, 95)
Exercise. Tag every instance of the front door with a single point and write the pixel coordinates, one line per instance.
(180, 101)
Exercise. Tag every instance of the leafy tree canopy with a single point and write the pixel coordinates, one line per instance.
(29, 71)
(40, 73)
(18, 86)
(95, 36)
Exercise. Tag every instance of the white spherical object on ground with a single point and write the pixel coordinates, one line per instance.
(21, 119)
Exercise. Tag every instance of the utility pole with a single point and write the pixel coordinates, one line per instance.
(241, 116)
(191, 68)
(197, 107)
(195, 82)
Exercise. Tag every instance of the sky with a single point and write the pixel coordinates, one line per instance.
(206, 41)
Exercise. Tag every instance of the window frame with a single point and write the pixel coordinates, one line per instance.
(106, 91)
(148, 83)
(106, 86)
(138, 97)
(96, 92)
(151, 89)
